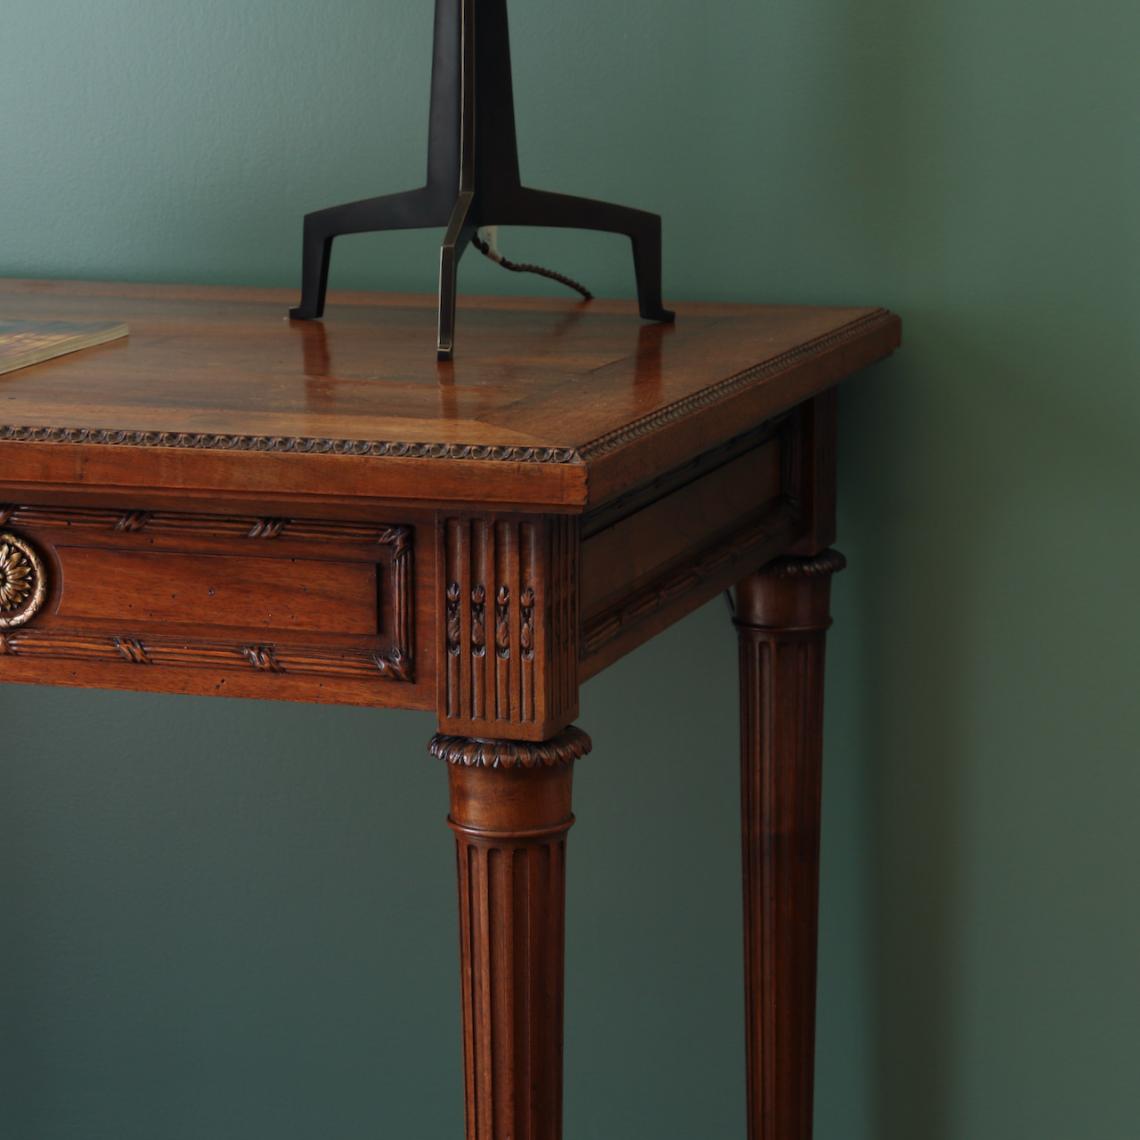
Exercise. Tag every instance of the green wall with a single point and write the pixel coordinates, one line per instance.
(236, 920)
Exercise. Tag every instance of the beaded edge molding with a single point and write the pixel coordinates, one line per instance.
(715, 393)
(467, 752)
(282, 443)
(603, 445)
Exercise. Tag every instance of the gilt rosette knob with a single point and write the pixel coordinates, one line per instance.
(23, 582)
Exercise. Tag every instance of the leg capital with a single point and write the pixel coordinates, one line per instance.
(821, 565)
(789, 594)
(470, 752)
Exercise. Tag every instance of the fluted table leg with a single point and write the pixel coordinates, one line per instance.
(510, 811)
(782, 615)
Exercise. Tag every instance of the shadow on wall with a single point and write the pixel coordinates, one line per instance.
(997, 633)
(909, 601)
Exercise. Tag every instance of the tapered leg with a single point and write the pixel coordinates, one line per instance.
(782, 615)
(510, 811)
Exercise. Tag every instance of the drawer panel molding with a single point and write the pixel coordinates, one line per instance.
(110, 521)
(394, 665)
(322, 598)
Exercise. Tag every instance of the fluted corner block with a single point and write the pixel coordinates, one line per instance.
(508, 638)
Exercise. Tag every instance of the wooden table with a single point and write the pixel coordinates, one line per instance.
(232, 504)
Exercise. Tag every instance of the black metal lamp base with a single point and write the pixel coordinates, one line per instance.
(473, 175)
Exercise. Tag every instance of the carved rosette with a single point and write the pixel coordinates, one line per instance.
(23, 581)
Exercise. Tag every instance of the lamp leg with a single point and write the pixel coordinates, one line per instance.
(526, 207)
(460, 231)
(408, 210)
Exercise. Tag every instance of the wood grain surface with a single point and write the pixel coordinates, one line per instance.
(552, 404)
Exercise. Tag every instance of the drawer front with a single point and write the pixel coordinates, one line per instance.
(278, 596)
(241, 605)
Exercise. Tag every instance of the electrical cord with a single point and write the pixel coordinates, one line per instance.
(487, 249)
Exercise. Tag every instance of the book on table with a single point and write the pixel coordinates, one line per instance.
(24, 343)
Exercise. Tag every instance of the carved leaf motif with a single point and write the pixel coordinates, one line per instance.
(453, 630)
(397, 537)
(263, 658)
(503, 623)
(132, 522)
(397, 665)
(132, 650)
(479, 621)
(268, 528)
(526, 633)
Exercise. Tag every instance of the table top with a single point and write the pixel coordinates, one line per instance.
(550, 405)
